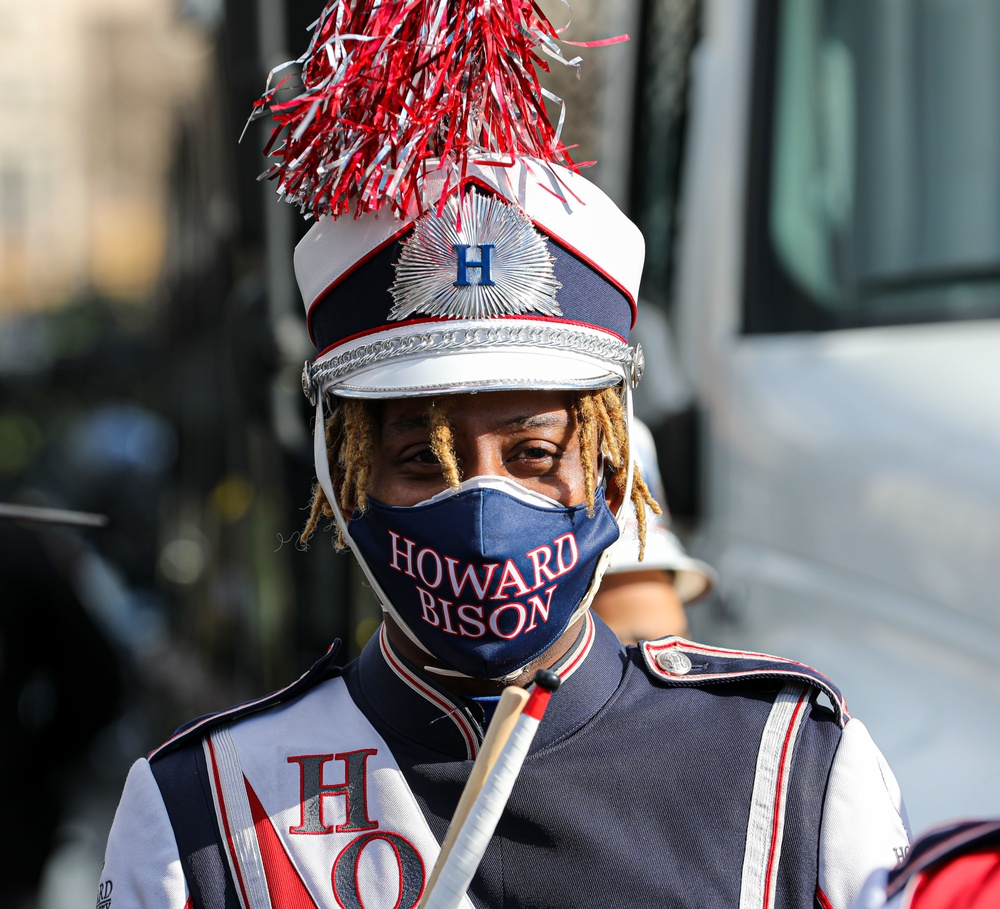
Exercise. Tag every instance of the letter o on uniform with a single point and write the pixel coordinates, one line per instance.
(410, 865)
(522, 617)
(437, 564)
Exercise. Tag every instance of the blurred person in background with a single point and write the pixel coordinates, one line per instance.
(956, 866)
(61, 684)
(646, 599)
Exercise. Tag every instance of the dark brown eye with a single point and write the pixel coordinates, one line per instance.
(534, 457)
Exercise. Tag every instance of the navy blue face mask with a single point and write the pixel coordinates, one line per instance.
(487, 579)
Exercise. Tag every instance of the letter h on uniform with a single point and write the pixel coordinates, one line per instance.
(483, 264)
(313, 790)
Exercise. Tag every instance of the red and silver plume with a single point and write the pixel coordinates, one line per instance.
(477, 258)
(394, 89)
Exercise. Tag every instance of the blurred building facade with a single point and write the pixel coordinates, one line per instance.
(151, 342)
(91, 93)
(125, 188)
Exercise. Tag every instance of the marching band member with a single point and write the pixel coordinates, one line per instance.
(471, 297)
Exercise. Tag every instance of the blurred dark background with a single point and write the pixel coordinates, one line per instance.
(816, 185)
(151, 345)
(149, 373)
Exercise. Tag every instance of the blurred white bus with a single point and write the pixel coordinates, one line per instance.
(827, 248)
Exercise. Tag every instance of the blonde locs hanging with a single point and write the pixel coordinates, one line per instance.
(351, 438)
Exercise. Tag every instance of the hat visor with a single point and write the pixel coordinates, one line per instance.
(693, 578)
(474, 371)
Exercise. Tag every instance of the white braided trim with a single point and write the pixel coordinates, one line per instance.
(532, 338)
(766, 824)
(235, 817)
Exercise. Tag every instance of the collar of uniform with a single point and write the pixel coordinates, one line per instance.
(591, 672)
(404, 702)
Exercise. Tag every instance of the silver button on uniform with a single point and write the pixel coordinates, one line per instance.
(674, 661)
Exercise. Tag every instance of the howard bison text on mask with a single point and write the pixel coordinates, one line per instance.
(485, 579)
(444, 580)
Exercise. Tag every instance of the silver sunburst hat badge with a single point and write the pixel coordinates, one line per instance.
(496, 264)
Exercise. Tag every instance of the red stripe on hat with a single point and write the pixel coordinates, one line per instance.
(320, 297)
(558, 238)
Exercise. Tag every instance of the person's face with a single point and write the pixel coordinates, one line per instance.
(526, 436)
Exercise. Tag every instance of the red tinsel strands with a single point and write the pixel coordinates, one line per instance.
(393, 89)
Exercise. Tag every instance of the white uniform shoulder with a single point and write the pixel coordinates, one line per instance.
(864, 820)
(141, 864)
(322, 669)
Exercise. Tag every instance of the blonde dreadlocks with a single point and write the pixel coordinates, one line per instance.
(351, 436)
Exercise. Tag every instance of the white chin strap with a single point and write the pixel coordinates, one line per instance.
(322, 459)
(621, 518)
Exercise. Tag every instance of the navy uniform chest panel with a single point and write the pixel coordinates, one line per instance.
(182, 776)
(650, 799)
(798, 873)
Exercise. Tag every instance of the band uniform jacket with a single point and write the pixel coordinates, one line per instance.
(670, 774)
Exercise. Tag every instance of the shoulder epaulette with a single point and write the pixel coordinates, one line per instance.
(321, 670)
(685, 663)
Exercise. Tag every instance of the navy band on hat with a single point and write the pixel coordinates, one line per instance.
(360, 302)
(527, 278)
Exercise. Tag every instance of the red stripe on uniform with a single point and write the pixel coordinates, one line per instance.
(449, 709)
(777, 817)
(225, 823)
(571, 666)
(284, 883)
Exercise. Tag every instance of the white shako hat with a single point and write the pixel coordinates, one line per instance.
(693, 578)
(456, 247)
(527, 279)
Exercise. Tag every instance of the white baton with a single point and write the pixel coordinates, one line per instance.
(455, 867)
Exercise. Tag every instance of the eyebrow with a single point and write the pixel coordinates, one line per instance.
(536, 421)
(404, 425)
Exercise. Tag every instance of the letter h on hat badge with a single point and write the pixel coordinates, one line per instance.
(516, 272)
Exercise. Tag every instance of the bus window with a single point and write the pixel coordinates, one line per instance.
(877, 161)
(668, 33)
